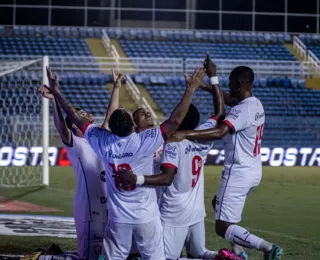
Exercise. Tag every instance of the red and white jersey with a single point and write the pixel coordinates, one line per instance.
(90, 197)
(135, 204)
(242, 166)
(182, 203)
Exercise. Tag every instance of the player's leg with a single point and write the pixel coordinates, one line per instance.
(236, 249)
(134, 252)
(83, 238)
(117, 240)
(96, 232)
(149, 239)
(195, 242)
(229, 206)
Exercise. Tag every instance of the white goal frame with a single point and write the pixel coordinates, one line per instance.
(45, 126)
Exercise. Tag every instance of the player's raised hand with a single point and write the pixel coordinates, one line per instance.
(53, 81)
(210, 67)
(45, 92)
(116, 77)
(196, 79)
(125, 178)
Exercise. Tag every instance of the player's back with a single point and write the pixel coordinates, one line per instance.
(90, 195)
(182, 203)
(242, 148)
(134, 204)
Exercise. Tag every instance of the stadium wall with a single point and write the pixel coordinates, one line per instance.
(276, 156)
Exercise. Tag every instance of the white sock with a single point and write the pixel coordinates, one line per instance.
(209, 254)
(236, 249)
(242, 237)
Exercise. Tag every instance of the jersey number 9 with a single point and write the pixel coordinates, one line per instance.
(196, 169)
(121, 167)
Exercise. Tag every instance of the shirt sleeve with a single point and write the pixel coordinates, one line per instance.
(96, 136)
(210, 123)
(171, 156)
(238, 118)
(152, 139)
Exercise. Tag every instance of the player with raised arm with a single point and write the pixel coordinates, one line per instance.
(90, 211)
(132, 211)
(182, 204)
(242, 131)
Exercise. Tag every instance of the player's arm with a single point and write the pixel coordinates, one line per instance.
(180, 111)
(114, 102)
(128, 178)
(68, 108)
(170, 162)
(218, 101)
(229, 101)
(58, 119)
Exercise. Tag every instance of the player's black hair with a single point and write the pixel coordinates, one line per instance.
(243, 74)
(191, 120)
(68, 120)
(120, 123)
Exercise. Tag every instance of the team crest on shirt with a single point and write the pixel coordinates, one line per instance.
(94, 132)
(150, 133)
(209, 125)
(171, 151)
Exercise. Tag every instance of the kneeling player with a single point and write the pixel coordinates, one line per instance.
(90, 212)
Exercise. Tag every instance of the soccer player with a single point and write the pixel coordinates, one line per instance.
(132, 211)
(90, 211)
(182, 204)
(242, 131)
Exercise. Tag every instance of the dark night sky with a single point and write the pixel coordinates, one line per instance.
(204, 21)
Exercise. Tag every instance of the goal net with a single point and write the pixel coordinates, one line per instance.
(24, 127)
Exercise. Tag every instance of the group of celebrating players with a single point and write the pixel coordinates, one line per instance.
(140, 188)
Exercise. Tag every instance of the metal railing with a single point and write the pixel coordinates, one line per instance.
(300, 47)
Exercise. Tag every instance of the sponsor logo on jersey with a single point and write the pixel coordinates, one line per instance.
(171, 151)
(258, 115)
(234, 113)
(117, 156)
(95, 213)
(103, 176)
(195, 149)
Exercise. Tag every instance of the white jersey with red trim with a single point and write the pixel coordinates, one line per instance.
(90, 197)
(157, 157)
(242, 166)
(135, 204)
(182, 203)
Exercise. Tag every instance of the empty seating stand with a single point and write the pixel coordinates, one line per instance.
(43, 46)
(289, 106)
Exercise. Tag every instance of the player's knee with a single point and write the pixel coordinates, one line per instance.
(221, 228)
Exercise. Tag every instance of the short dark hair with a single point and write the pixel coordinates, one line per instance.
(243, 74)
(68, 120)
(191, 120)
(120, 123)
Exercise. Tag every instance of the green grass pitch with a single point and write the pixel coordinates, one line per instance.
(284, 209)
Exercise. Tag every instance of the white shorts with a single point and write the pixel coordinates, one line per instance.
(89, 238)
(230, 203)
(148, 237)
(192, 237)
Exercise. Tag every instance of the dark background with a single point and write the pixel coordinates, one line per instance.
(98, 17)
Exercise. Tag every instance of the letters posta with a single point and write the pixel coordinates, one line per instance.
(277, 156)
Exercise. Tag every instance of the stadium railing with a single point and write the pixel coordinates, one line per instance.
(300, 47)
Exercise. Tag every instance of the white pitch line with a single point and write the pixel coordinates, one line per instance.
(278, 234)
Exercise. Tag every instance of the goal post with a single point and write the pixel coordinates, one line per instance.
(24, 119)
(45, 125)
